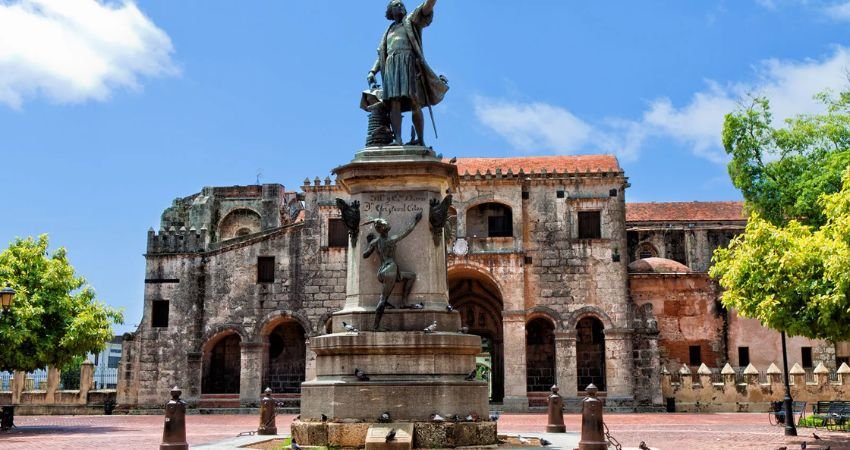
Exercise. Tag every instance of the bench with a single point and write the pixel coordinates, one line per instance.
(776, 416)
(834, 415)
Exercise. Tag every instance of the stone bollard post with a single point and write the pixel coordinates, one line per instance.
(592, 428)
(556, 413)
(174, 430)
(267, 414)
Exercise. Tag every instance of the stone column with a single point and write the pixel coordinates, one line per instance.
(86, 381)
(565, 362)
(52, 385)
(513, 326)
(618, 363)
(654, 389)
(251, 373)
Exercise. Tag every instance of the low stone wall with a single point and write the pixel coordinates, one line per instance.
(52, 401)
(701, 394)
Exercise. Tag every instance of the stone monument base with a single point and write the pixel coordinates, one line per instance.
(425, 434)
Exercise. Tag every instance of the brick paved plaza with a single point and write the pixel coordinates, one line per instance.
(660, 431)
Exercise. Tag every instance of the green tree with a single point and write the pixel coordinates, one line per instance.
(55, 317)
(794, 277)
(782, 172)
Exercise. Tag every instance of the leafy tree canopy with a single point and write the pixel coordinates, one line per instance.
(783, 171)
(794, 277)
(55, 316)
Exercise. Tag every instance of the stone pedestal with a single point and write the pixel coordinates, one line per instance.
(412, 373)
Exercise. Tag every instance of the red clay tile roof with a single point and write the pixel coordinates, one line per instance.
(529, 164)
(684, 211)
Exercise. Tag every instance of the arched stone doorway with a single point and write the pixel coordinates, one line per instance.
(590, 353)
(222, 365)
(285, 357)
(479, 302)
(539, 355)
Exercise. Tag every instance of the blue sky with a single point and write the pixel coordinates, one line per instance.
(110, 110)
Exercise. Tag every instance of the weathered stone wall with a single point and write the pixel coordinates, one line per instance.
(687, 312)
(545, 270)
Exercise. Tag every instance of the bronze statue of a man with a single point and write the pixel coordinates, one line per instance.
(389, 273)
(409, 84)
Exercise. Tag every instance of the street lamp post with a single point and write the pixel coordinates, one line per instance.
(790, 428)
(7, 296)
(7, 418)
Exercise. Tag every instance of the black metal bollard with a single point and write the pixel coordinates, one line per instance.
(556, 413)
(174, 430)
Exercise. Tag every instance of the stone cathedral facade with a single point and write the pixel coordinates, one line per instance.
(544, 263)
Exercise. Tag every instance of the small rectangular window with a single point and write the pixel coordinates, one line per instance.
(113, 362)
(743, 356)
(265, 269)
(337, 233)
(695, 353)
(589, 225)
(525, 195)
(159, 314)
(806, 356)
(560, 194)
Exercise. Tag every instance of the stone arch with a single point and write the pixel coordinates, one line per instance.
(545, 312)
(275, 317)
(477, 296)
(238, 222)
(573, 317)
(218, 331)
(475, 269)
(222, 362)
(284, 335)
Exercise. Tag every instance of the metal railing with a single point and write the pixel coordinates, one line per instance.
(104, 378)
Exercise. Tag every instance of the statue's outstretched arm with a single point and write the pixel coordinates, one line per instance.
(428, 7)
(410, 228)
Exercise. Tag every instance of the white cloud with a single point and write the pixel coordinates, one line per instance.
(839, 11)
(533, 125)
(790, 86)
(77, 50)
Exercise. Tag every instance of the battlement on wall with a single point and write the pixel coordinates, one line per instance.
(174, 240)
(750, 389)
